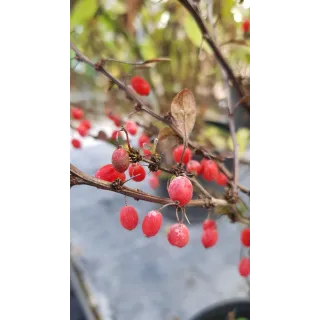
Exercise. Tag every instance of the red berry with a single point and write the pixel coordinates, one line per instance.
(116, 134)
(117, 121)
(107, 173)
(245, 237)
(209, 224)
(157, 173)
(122, 177)
(129, 217)
(151, 223)
(246, 25)
(180, 189)
(143, 139)
(244, 267)
(146, 152)
(86, 123)
(82, 130)
(131, 127)
(177, 153)
(120, 160)
(222, 179)
(137, 171)
(76, 113)
(209, 238)
(140, 85)
(154, 182)
(202, 163)
(76, 143)
(194, 166)
(178, 235)
(210, 171)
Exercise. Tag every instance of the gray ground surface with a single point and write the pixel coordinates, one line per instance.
(133, 277)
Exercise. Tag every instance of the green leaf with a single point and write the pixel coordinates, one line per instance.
(82, 12)
(194, 34)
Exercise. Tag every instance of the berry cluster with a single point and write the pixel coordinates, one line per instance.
(207, 168)
(83, 127)
(244, 264)
(210, 234)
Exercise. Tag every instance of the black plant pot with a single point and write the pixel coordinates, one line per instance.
(241, 309)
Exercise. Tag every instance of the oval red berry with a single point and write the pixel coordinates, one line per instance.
(209, 224)
(76, 143)
(178, 235)
(143, 139)
(129, 217)
(140, 86)
(245, 237)
(151, 223)
(177, 154)
(131, 127)
(221, 179)
(76, 113)
(107, 173)
(181, 190)
(194, 166)
(244, 267)
(120, 160)
(154, 182)
(137, 172)
(210, 170)
(209, 238)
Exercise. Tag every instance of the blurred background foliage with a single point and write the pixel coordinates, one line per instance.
(135, 30)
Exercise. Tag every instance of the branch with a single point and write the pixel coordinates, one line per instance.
(141, 106)
(235, 151)
(80, 178)
(221, 60)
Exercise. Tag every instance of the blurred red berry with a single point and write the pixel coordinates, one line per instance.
(209, 224)
(222, 179)
(194, 166)
(154, 182)
(244, 267)
(120, 160)
(117, 122)
(177, 153)
(245, 237)
(178, 235)
(246, 26)
(116, 134)
(151, 223)
(131, 127)
(140, 85)
(137, 171)
(86, 123)
(180, 189)
(82, 130)
(143, 139)
(202, 163)
(76, 143)
(129, 217)
(157, 173)
(146, 152)
(76, 113)
(209, 238)
(210, 170)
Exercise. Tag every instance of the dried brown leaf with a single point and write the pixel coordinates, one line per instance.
(183, 111)
(165, 132)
